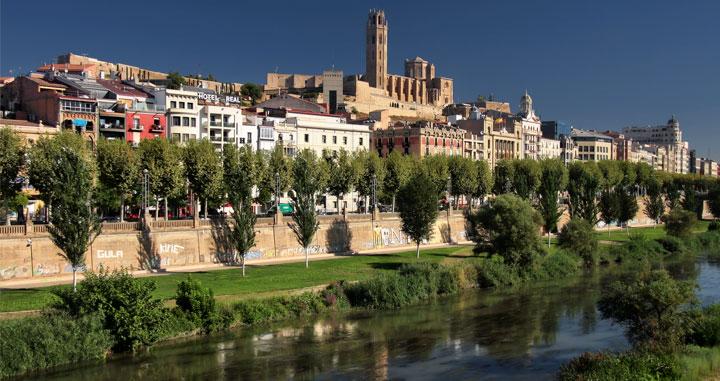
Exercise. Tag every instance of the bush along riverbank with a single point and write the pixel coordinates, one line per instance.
(672, 338)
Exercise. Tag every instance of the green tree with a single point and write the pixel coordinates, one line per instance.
(526, 178)
(578, 237)
(239, 172)
(163, 162)
(627, 206)
(251, 90)
(12, 159)
(583, 186)
(74, 222)
(654, 203)
(650, 307)
(373, 167)
(485, 180)
(436, 167)
(341, 175)
(553, 181)
(43, 158)
(204, 171)
(398, 168)
(307, 182)
(280, 171)
(608, 207)
(417, 202)
(680, 223)
(509, 227)
(175, 80)
(503, 176)
(463, 177)
(118, 169)
(673, 192)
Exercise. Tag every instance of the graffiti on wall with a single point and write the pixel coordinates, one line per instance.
(390, 237)
(253, 255)
(44, 269)
(109, 254)
(313, 249)
(170, 248)
(13, 271)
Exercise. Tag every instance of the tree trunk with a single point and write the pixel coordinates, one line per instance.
(157, 208)
(393, 205)
(306, 258)
(165, 215)
(122, 208)
(205, 209)
(417, 249)
(242, 258)
(74, 271)
(548, 232)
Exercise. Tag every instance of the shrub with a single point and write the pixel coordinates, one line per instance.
(198, 303)
(638, 249)
(705, 329)
(650, 308)
(509, 227)
(680, 223)
(256, 311)
(629, 366)
(334, 295)
(673, 245)
(50, 340)
(557, 265)
(578, 237)
(709, 242)
(713, 226)
(495, 273)
(125, 304)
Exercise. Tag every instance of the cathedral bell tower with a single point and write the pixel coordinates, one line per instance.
(376, 49)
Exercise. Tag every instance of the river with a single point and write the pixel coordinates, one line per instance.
(524, 334)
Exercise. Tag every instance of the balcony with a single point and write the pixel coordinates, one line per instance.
(229, 124)
(138, 128)
(215, 123)
(157, 128)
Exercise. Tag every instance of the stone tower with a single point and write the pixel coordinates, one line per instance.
(376, 49)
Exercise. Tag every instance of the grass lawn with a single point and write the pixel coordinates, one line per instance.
(229, 284)
(649, 232)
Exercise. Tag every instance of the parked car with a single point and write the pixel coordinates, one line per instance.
(285, 209)
(110, 219)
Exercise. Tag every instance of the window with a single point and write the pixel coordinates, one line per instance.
(77, 106)
(136, 123)
(345, 140)
(265, 133)
(156, 121)
(249, 139)
(173, 104)
(175, 120)
(280, 137)
(190, 105)
(291, 137)
(324, 139)
(307, 138)
(241, 140)
(361, 141)
(182, 104)
(334, 139)
(186, 121)
(192, 122)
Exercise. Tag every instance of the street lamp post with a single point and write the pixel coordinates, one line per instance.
(278, 214)
(374, 186)
(449, 192)
(449, 210)
(146, 191)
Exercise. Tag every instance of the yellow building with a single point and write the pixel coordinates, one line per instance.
(593, 146)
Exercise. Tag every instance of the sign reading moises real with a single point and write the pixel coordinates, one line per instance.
(216, 98)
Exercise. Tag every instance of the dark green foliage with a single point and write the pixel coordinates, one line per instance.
(654, 203)
(50, 340)
(705, 328)
(12, 159)
(680, 223)
(608, 206)
(629, 366)
(674, 245)
(203, 170)
(503, 177)
(638, 250)
(125, 304)
(485, 179)
(526, 178)
(553, 181)
(418, 205)
(578, 237)
(307, 181)
(650, 308)
(74, 221)
(557, 265)
(251, 90)
(627, 206)
(279, 308)
(713, 226)
(175, 80)
(495, 273)
(341, 176)
(583, 186)
(411, 284)
(463, 176)
(334, 295)
(509, 226)
(198, 303)
(118, 169)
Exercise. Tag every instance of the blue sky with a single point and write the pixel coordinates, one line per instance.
(596, 64)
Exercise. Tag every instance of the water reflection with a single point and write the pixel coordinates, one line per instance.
(480, 334)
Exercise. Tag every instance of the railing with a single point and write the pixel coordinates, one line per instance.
(215, 124)
(228, 124)
(137, 128)
(156, 128)
(120, 226)
(40, 228)
(172, 224)
(389, 215)
(6, 230)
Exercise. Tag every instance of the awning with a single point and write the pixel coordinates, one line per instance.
(80, 122)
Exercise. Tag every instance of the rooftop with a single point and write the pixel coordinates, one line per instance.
(122, 89)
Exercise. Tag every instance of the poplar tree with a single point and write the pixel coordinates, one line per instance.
(12, 159)
(118, 169)
(553, 181)
(397, 168)
(307, 182)
(204, 171)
